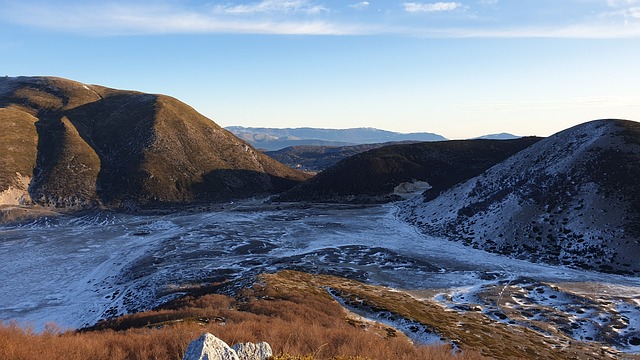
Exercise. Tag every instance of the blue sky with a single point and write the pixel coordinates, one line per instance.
(459, 68)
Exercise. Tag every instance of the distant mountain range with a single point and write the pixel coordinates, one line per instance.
(270, 139)
(69, 145)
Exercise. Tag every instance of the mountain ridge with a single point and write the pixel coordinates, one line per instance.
(96, 146)
(570, 199)
(272, 139)
(374, 175)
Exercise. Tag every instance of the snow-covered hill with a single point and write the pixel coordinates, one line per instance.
(571, 199)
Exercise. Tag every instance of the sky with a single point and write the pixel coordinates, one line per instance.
(457, 68)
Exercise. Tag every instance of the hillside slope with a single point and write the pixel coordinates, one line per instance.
(373, 176)
(570, 199)
(70, 145)
(318, 158)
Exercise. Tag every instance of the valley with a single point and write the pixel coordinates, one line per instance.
(77, 269)
(117, 205)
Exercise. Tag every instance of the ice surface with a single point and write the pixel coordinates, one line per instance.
(417, 332)
(76, 270)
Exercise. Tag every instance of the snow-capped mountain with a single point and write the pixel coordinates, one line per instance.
(571, 199)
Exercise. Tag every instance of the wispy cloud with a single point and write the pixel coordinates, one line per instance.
(122, 19)
(272, 6)
(625, 9)
(359, 6)
(308, 17)
(618, 3)
(414, 7)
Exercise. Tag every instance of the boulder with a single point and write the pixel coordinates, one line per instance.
(251, 351)
(209, 347)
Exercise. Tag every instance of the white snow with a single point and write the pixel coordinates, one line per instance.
(76, 270)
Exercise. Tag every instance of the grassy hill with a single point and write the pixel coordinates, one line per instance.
(318, 158)
(373, 175)
(70, 145)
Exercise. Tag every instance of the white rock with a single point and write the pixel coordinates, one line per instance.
(209, 347)
(251, 351)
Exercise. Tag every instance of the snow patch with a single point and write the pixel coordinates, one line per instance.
(410, 189)
(414, 330)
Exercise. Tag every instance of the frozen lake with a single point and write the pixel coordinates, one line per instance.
(76, 270)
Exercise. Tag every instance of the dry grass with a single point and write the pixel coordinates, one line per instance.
(300, 323)
(17, 343)
(470, 330)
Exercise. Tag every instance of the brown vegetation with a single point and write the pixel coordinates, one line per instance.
(300, 322)
(470, 330)
(82, 146)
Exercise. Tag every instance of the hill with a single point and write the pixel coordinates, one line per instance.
(318, 158)
(271, 139)
(570, 199)
(373, 176)
(68, 145)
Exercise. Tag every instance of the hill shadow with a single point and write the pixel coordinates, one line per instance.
(227, 184)
(119, 128)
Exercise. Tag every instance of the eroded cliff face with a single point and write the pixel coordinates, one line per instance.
(68, 145)
(18, 194)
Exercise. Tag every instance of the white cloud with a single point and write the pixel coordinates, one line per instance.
(626, 12)
(109, 18)
(619, 3)
(360, 6)
(120, 19)
(413, 7)
(272, 6)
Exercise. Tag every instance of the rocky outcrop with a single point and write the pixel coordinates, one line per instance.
(251, 351)
(209, 347)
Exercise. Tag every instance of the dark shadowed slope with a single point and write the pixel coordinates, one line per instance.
(373, 175)
(70, 145)
(573, 199)
(318, 158)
